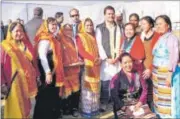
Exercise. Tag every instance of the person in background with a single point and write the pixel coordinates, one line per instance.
(108, 36)
(6, 28)
(2, 31)
(33, 25)
(88, 50)
(22, 22)
(134, 19)
(18, 20)
(119, 20)
(59, 18)
(149, 38)
(76, 22)
(125, 81)
(31, 28)
(9, 21)
(165, 59)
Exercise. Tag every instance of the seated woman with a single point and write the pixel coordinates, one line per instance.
(131, 44)
(126, 81)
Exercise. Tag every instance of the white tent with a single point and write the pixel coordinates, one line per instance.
(93, 9)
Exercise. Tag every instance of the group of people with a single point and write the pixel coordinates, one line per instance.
(62, 65)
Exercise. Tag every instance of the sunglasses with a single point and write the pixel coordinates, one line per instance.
(75, 15)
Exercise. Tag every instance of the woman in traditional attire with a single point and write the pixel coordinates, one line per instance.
(176, 86)
(165, 59)
(88, 50)
(126, 81)
(176, 92)
(71, 65)
(149, 38)
(18, 74)
(134, 46)
(49, 54)
(134, 19)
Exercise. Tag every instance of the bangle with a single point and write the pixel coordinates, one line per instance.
(48, 73)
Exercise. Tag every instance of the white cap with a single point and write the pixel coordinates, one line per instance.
(119, 12)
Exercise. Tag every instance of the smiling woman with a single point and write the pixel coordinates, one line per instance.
(130, 45)
(18, 79)
(149, 39)
(124, 82)
(165, 59)
(88, 50)
(49, 55)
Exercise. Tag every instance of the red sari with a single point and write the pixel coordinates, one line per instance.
(71, 73)
(20, 76)
(137, 52)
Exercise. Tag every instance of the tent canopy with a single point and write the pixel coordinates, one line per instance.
(93, 9)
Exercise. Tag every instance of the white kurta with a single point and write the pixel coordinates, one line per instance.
(107, 70)
(43, 48)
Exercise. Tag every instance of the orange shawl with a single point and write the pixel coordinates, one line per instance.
(69, 48)
(81, 27)
(43, 34)
(137, 51)
(23, 85)
(26, 65)
(92, 71)
(70, 55)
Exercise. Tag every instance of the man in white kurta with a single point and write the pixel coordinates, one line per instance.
(108, 37)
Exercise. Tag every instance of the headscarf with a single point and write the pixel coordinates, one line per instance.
(24, 66)
(44, 34)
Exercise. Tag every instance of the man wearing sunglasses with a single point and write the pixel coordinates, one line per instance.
(76, 22)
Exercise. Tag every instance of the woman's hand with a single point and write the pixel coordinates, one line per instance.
(97, 61)
(123, 108)
(121, 51)
(39, 83)
(49, 78)
(137, 106)
(110, 61)
(146, 74)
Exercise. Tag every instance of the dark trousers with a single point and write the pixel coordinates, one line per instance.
(150, 93)
(48, 101)
(47, 104)
(74, 101)
(71, 103)
(105, 92)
